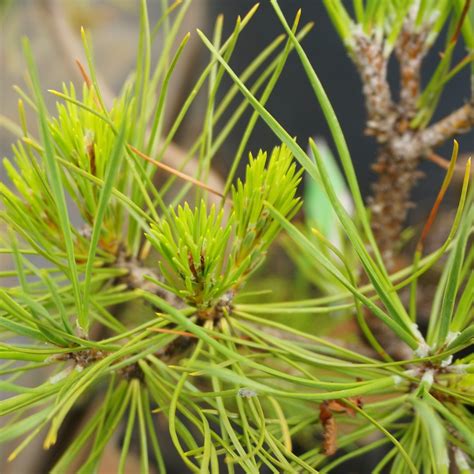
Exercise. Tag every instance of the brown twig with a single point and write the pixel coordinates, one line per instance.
(174, 171)
(459, 169)
(410, 50)
(372, 66)
(459, 121)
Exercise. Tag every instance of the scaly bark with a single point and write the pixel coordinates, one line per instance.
(401, 147)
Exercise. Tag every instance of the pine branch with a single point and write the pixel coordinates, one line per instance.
(172, 332)
(371, 63)
(401, 147)
(457, 122)
(410, 50)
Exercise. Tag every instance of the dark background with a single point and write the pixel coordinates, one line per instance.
(293, 102)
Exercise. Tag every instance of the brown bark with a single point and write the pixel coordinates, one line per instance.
(401, 147)
(372, 66)
(410, 50)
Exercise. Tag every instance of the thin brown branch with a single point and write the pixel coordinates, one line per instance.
(443, 163)
(174, 171)
(372, 66)
(410, 50)
(459, 121)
